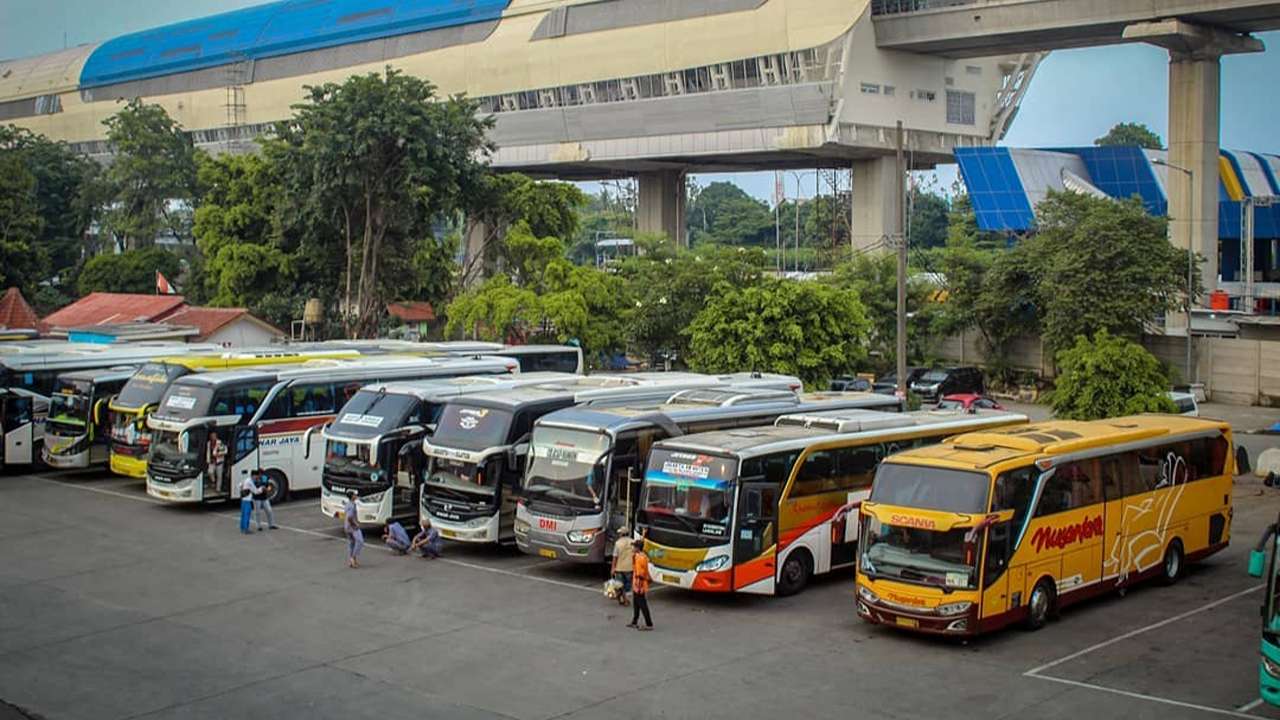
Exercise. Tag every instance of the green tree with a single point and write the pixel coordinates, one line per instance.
(1108, 376)
(20, 225)
(235, 231)
(133, 271)
(874, 277)
(1131, 134)
(154, 163)
(370, 163)
(723, 213)
(929, 224)
(806, 329)
(503, 201)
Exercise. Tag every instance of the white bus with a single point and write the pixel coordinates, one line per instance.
(585, 463)
(77, 432)
(215, 428)
(374, 446)
(476, 455)
(28, 375)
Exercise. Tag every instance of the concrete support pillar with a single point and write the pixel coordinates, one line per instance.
(875, 202)
(1194, 100)
(661, 205)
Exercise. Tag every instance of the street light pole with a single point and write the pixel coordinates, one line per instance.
(1191, 175)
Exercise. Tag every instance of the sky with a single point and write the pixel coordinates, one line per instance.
(1076, 96)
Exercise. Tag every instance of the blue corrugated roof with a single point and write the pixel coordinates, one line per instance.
(1000, 203)
(278, 28)
(1123, 172)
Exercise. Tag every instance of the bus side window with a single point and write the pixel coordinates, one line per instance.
(1072, 486)
(816, 475)
(1014, 490)
(999, 550)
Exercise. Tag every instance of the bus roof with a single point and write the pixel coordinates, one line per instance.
(97, 375)
(689, 405)
(437, 387)
(82, 355)
(981, 450)
(359, 367)
(227, 377)
(796, 431)
(229, 359)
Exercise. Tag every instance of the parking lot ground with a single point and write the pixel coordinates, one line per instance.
(115, 606)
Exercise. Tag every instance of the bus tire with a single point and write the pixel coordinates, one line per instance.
(1172, 564)
(795, 574)
(281, 486)
(1040, 604)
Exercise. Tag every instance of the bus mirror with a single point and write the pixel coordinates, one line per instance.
(1242, 461)
(632, 476)
(1257, 560)
(184, 441)
(411, 430)
(97, 411)
(514, 454)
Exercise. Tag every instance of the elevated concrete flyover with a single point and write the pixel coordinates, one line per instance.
(980, 28)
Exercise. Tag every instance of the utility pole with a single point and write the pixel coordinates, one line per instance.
(901, 238)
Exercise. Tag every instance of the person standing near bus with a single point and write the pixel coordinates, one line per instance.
(623, 562)
(351, 526)
(640, 588)
(247, 491)
(262, 501)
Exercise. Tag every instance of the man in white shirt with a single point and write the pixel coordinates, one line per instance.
(623, 561)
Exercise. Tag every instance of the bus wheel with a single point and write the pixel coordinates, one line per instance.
(1171, 568)
(279, 487)
(795, 573)
(1040, 605)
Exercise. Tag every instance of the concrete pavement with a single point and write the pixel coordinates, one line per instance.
(112, 606)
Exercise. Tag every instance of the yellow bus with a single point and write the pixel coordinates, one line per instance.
(128, 411)
(762, 509)
(992, 528)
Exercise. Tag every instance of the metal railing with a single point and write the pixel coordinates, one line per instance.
(900, 7)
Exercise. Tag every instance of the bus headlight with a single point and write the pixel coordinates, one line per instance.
(582, 537)
(522, 527)
(719, 562)
(865, 593)
(1271, 666)
(373, 499)
(955, 608)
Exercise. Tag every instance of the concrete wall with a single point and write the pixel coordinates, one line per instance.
(1239, 372)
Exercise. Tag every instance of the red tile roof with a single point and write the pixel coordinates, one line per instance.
(413, 311)
(101, 307)
(15, 313)
(209, 320)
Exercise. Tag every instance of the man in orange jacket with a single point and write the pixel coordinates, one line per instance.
(640, 588)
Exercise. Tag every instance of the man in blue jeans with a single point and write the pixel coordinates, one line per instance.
(247, 490)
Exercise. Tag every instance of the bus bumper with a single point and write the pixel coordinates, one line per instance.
(64, 462)
(182, 491)
(134, 467)
(479, 530)
(1269, 684)
(961, 625)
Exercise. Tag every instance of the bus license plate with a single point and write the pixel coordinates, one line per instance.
(446, 533)
(547, 553)
(671, 579)
(908, 622)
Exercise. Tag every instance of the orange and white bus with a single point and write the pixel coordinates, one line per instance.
(762, 509)
(1013, 525)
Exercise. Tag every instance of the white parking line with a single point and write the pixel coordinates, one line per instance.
(328, 536)
(1241, 711)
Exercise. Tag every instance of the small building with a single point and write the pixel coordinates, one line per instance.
(16, 316)
(126, 317)
(104, 308)
(414, 318)
(230, 327)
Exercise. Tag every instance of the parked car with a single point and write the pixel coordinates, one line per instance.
(968, 401)
(888, 384)
(1186, 403)
(850, 384)
(940, 382)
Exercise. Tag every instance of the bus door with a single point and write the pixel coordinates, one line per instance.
(99, 430)
(404, 452)
(626, 468)
(755, 536)
(19, 429)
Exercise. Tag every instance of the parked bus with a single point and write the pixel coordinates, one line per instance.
(1262, 559)
(128, 411)
(992, 528)
(267, 431)
(761, 510)
(287, 448)
(28, 374)
(586, 463)
(77, 430)
(374, 445)
(476, 455)
(546, 358)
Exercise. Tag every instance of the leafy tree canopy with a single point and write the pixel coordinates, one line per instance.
(133, 271)
(503, 201)
(723, 213)
(154, 163)
(1108, 376)
(806, 329)
(20, 225)
(874, 277)
(1131, 134)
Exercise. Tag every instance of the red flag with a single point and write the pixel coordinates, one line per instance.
(163, 286)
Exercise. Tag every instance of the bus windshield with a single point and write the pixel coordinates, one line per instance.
(349, 458)
(186, 402)
(565, 468)
(688, 491)
(931, 488)
(369, 414)
(472, 428)
(457, 475)
(916, 555)
(147, 386)
(69, 405)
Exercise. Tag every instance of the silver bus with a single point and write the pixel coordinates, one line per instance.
(585, 463)
(77, 431)
(476, 455)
